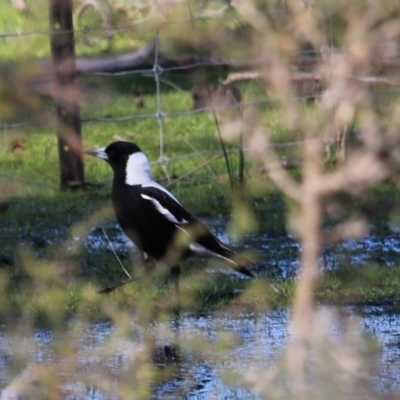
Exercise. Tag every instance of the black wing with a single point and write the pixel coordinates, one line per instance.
(166, 204)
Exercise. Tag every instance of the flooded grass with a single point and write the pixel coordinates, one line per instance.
(228, 341)
(231, 329)
(62, 339)
(65, 232)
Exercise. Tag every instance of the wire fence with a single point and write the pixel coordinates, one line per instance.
(156, 71)
(188, 113)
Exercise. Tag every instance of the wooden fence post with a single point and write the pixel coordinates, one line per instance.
(66, 93)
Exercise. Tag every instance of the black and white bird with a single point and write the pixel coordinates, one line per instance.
(154, 219)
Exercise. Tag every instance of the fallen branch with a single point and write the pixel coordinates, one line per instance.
(143, 59)
(308, 76)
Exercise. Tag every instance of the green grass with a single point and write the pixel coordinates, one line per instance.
(370, 284)
(35, 27)
(53, 289)
(55, 279)
(37, 228)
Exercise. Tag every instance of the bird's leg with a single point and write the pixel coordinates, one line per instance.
(175, 271)
(148, 263)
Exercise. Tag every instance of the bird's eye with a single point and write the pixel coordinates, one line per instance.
(112, 153)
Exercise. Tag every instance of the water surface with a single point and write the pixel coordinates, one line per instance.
(198, 357)
(279, 253)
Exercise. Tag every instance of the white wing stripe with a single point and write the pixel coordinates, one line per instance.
(167, 214)
(154, 184)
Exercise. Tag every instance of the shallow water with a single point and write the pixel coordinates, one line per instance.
(197, 357)
(213, 355)
(279, 254)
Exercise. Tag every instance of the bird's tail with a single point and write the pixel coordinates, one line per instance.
(236, 261)
(243, 265)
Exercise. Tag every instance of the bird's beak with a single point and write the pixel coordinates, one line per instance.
(100, 153)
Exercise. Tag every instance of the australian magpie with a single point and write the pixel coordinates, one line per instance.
(154, 219)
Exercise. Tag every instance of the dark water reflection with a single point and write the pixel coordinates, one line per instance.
(198, 357)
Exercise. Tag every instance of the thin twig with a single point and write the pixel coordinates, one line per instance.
(11, 176)
(223, 147)
(116, 256)
(200, 156)
(241, 160)
(111, 288)
(167, 82)
(195, 169)
(227, 161)
(241, 148)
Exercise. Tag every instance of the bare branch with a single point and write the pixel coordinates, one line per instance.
(262, 148)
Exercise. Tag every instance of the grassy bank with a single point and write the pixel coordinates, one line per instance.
(45, 237)
(40, 224)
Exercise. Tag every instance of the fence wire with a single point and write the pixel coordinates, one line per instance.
(161, 115)
(157, 70)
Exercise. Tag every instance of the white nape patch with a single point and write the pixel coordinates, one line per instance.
(167, 214)
(154, 184)
(138, 170)
(202, 251)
